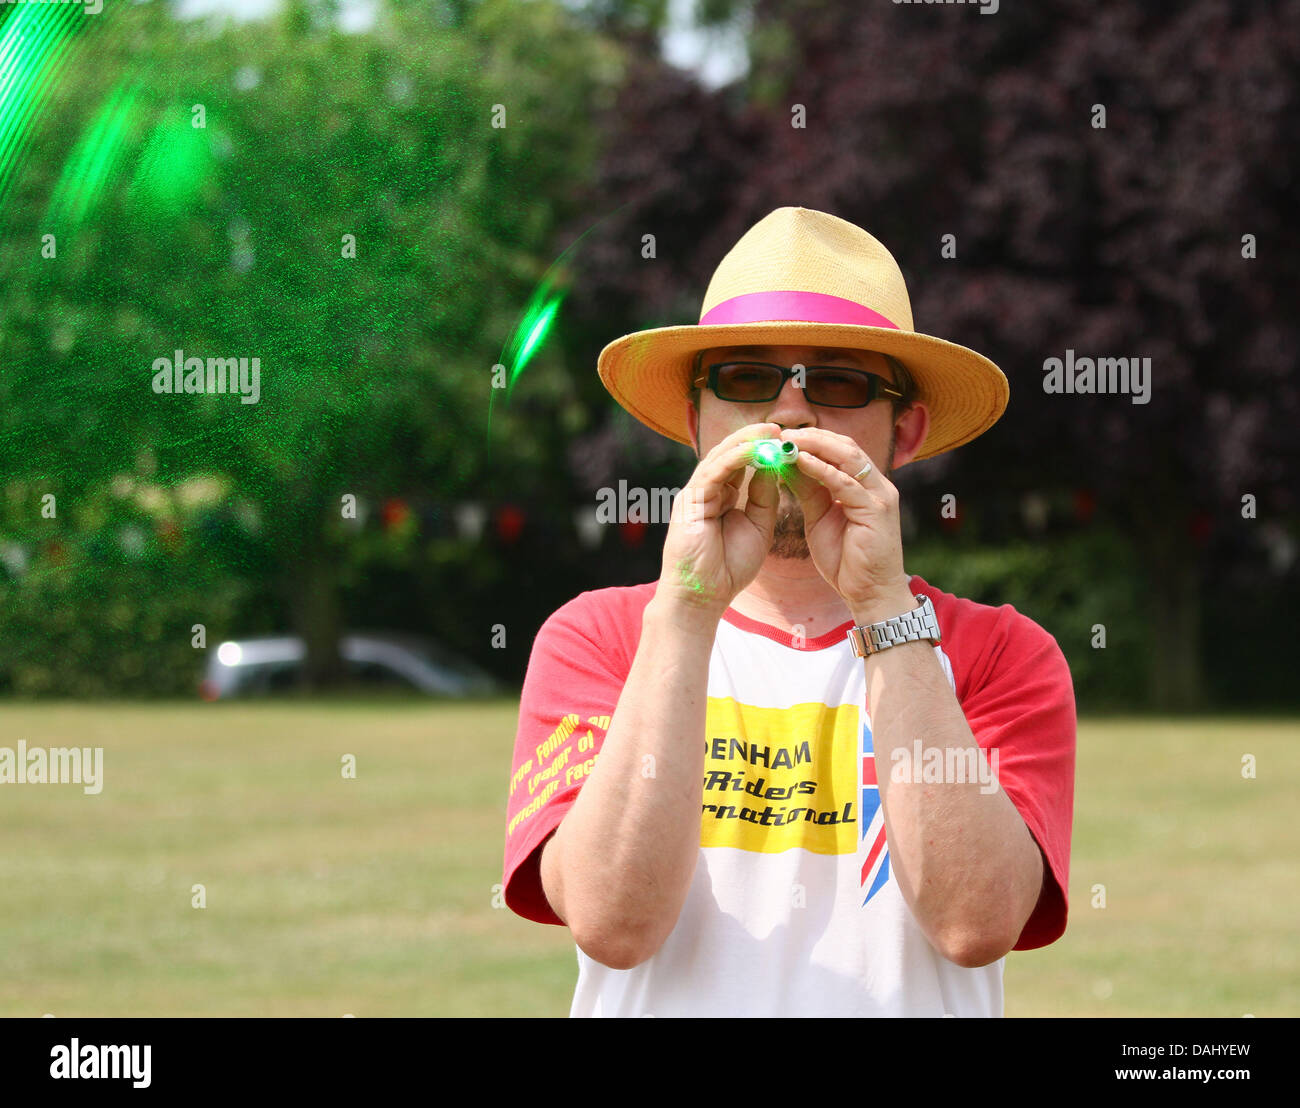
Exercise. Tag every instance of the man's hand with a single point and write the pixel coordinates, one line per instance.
(713, 549)
(851, 525)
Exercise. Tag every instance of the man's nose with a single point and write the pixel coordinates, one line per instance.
(791, 408)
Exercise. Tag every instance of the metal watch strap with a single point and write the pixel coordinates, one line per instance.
(919, 623)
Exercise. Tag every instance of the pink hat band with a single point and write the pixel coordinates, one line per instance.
(789, 306)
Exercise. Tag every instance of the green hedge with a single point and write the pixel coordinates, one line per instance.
(86, 624)
(1067, 586)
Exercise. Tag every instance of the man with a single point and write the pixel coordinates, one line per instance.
(788, 778)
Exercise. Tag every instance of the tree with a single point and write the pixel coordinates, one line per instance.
(358, 214)
(1124, 240)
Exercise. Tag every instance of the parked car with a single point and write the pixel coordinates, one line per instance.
(267, 664)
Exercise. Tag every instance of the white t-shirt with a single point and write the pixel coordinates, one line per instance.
(792, 911)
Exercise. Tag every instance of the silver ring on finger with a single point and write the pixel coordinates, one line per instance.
(862, 472)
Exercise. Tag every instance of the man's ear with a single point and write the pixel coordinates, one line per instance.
(910, 431)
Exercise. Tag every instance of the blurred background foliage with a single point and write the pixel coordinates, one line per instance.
(228, 239)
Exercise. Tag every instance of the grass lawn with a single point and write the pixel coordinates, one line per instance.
(373, 896)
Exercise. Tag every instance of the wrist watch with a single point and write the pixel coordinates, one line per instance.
(919, 623)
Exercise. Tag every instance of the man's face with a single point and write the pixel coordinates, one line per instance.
(872, 428)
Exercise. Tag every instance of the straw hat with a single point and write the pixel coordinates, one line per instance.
(802, 277)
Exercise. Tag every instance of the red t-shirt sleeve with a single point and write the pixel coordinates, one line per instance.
(576, 672)
(1018, 698)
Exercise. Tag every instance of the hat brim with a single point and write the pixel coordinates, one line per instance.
(649, 373)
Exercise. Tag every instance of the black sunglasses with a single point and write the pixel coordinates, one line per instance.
(825, 385)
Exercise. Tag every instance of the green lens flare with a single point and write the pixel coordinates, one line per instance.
(538, 318)
(96, 162)
(528, 337)
(173, 165)
(34, 43)
(171, 160)
(534, 329)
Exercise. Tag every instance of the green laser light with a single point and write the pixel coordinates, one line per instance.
(534, 330)
(773, 454)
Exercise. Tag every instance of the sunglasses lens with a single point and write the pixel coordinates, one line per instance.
(839, 389)
(746, 382)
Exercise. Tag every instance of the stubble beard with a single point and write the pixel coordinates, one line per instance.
(788, 539)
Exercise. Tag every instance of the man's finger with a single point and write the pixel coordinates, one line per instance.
(800, 484)
(726, 465)
(763, 497)
(814, 499)
(838, 450)
(834, 484)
